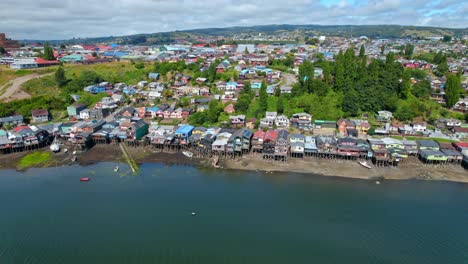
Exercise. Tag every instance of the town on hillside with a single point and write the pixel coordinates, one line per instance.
(383, 100)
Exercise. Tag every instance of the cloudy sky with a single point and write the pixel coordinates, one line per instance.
(64, 19)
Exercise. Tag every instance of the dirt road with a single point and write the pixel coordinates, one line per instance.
(12, 89)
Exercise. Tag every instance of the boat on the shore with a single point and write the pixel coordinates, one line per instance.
(55, 146)
(365, 164)
(84, 179)
(187, 154)
(116, 169)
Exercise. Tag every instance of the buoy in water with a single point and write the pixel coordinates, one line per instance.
(377, 182)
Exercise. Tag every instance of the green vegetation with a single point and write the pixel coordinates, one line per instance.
(48, 52)
(440, 140)
(46, 85)
(34, 159)
(60, 78)
(452, 90)
(7, 74)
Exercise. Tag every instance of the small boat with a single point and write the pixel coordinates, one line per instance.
(85, 179)
(365, 164)
(116, 169)
(55, 146)
(187, 154)
(193, 213)
(377, 182)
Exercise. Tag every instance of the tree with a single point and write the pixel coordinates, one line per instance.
(94, 54)
(422, 89)
(214, 109)
(60, 77)
(243, 103)
(382, 49)
(442, 68)
(263, 97)
(48, 52)
(62, 46)
(362, 51)
(139, 65)
(2, 50)
(212, 72)
(447, 38)
(246, 51)
(390, 58)
(351, 103)
(452, 90)
(409, 49)
(280, 105)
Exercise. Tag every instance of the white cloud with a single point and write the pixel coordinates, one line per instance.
(55, 19)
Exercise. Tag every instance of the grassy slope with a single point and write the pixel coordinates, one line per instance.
(41, 86)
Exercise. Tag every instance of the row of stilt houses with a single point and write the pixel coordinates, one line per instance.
(271, 144)
(23, 138)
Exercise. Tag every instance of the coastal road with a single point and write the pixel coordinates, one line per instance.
(12, 89)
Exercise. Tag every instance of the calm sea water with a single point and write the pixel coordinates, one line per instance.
(48, 216)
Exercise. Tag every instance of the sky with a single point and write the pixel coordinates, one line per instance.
(65, 19)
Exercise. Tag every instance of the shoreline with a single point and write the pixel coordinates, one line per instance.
(323, 167)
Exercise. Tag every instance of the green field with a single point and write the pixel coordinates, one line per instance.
(34, 159)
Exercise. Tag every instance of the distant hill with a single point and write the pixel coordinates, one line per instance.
(372, 31)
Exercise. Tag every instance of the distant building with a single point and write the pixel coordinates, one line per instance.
(8, 44)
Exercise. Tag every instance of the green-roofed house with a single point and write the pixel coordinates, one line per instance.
(72, 58)
(432, 156)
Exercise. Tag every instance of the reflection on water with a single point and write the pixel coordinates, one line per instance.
(242, 217)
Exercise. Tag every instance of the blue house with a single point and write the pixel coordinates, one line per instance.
(98, 89)
(183, 133)
(129, 90)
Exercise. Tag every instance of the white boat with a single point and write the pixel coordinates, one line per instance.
(116, 169)
(365, 164)
(55, 146)
(187, 154)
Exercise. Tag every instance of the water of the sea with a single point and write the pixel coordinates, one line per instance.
(49, 216)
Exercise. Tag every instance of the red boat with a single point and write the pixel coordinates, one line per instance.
(84, 179)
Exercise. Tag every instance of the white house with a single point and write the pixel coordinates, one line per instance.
(419, 127)
(282, 121)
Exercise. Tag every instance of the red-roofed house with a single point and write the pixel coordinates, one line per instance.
(257, 141)
(45, 63)
(269, 141)
(461, 132)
